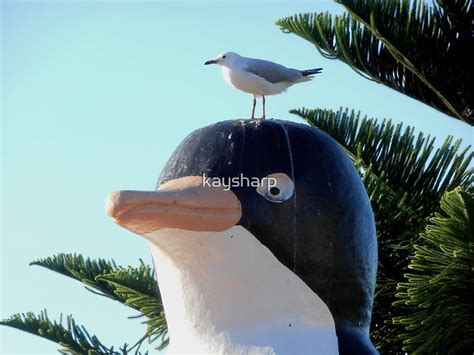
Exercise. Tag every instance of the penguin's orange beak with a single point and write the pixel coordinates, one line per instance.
(183, 203)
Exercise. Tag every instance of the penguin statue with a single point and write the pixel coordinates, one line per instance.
(263, 240)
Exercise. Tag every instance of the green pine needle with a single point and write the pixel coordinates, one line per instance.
(82, 269)
(72, 338)
(134, 287)
(440, 285)
(138, 287)
(413, 47)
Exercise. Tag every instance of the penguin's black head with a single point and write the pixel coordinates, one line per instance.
(293, 188)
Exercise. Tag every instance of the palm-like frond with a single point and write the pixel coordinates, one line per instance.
(408, 161)
(73, 339)
(410, 46)
(84, 270)
(138, 287)
(441, 283)
(133, 287)
(405, 177)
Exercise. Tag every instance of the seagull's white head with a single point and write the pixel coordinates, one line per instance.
(224, 59)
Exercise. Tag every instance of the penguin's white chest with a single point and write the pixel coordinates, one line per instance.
(225, 293)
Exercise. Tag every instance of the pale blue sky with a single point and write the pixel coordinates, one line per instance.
(96, 96)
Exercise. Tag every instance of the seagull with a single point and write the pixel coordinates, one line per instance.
(259, 77)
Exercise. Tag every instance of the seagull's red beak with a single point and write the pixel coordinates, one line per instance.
(183, 203)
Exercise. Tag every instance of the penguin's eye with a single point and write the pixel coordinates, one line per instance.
(276, 187)
(274, 191)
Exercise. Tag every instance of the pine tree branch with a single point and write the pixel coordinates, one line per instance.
(370, 21)
(440, 288)
(140, 290)
(84, 270)
(73, 339)
(133, 287)
(409, 161)
(409, 46)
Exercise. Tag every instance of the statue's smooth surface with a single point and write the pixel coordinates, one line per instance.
(263, 240)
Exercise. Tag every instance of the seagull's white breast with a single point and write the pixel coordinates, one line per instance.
(251, 83)
(226, 293)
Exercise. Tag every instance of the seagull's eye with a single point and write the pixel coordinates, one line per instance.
(223, 56)
(276, 187)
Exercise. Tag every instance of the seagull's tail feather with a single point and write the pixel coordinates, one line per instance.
(311, 71)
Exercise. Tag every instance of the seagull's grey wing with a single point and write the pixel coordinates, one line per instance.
(270, 71)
